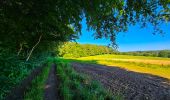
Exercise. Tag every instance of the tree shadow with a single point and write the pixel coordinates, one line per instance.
(95, 62)
(132, 84)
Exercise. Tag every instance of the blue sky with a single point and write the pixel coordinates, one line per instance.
(132, 40)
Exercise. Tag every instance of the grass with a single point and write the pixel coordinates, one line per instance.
(130, 57)
(36, 91)
(151, 65)
(76, 86)
(142, 59)
(73, 85)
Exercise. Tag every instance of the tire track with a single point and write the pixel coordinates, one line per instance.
(51, 90)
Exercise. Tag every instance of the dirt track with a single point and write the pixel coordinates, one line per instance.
(134, 86)
(51, 87)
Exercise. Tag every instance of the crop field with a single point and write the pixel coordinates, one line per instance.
(151, 65)
(134, 77)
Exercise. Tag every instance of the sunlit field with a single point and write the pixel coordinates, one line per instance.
(151, 65)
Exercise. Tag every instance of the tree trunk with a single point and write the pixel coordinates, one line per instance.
(29, 55)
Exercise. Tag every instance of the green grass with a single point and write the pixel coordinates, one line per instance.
(151, 65)
(76, 86)
(36, 91)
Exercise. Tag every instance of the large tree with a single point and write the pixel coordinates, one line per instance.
(26, 24)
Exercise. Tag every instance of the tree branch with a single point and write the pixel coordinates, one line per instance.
(33, 48)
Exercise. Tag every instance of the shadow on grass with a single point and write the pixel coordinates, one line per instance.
(129, 83)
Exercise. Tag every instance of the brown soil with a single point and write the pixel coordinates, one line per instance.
(51, 86)
(17, 93)
(133, 85)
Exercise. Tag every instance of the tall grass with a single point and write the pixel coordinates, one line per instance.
(76, 86)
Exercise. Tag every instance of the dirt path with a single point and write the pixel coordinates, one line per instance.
(134, 86)
(51, 85)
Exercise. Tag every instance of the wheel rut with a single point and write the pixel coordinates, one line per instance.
(51, 87)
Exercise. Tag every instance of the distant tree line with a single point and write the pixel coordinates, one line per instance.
(156, 53)
(73, 49)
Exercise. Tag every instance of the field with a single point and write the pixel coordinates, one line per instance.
(151, 65)
(133, 77)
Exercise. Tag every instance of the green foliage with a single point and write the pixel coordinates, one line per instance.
(156, 53)
(73, 49)
(14, 70)
(23, 22)
(77, 86)
(164, 53)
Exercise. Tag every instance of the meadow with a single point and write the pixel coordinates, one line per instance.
(152, 65)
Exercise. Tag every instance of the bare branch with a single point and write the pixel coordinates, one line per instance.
(33, 48)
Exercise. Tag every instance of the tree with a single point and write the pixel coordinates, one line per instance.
(72, 49)
(24, 21)
(164, 53)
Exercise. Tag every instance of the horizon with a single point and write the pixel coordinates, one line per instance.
(135, 39)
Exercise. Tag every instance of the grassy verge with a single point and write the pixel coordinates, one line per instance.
(76, 86)
(36, 91)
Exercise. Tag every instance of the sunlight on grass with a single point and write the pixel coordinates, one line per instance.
(142, 59)
(151, 65)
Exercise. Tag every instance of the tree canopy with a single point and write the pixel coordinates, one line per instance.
(23, 22)
(74, 50)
